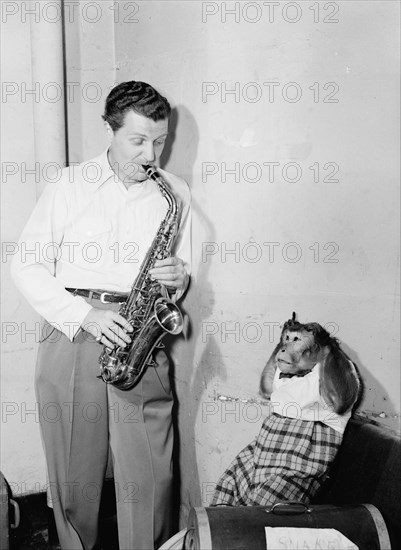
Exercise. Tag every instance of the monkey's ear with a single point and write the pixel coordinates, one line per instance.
(339, 381)
(266, 380)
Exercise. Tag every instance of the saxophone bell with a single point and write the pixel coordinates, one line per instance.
(123, 367)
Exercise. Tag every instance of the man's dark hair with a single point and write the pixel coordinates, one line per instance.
(134, 96)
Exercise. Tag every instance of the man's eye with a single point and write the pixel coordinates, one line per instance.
(137, 141)
(159, 143)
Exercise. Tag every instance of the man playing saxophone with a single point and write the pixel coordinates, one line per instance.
(101, 219)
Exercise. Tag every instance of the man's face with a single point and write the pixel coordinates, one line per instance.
(139, 141)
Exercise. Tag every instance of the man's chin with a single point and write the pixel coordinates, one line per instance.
(136, 181)
(138, 177)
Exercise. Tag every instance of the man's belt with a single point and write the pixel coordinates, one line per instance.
(102, 295)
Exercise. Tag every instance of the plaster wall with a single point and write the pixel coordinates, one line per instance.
(285, 127)
(32, 151)
(266, 244)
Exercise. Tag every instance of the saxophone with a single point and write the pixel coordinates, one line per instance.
(148, 309)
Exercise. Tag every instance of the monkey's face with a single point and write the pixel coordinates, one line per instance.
(298, 351)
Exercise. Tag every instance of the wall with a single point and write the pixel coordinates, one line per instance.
(33, 148)
(322, 244)
(316, 93)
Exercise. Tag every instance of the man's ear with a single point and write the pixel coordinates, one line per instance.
(109, 130)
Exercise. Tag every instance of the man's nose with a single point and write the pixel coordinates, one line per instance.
(149, 153)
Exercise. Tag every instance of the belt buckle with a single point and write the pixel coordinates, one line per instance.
(103, 295)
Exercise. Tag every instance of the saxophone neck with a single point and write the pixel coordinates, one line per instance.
(154, 175)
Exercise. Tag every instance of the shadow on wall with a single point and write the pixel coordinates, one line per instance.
(191, 379)
(168, 147)
(375, 402)
(191, 375)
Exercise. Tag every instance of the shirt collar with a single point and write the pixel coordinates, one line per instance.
(99, 171)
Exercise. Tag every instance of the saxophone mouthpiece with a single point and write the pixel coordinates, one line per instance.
(151, 172)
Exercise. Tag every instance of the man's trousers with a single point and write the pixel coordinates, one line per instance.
(80, 418)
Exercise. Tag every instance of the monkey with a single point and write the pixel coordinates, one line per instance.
(300, 349)
(313, 387)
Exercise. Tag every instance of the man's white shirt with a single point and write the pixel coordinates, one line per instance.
(89, 231)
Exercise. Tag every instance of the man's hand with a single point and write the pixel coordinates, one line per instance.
(108, 327)
(170, 272)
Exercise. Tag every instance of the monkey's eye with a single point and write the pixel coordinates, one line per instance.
(287, 337)
(296, 339)
(307, 353)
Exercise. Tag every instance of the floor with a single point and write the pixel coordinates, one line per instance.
(41, 538)
(37, 530)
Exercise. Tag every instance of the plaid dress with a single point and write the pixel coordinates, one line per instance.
(288, 460)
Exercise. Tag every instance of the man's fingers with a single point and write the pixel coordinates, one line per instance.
(167, 276)
(119, 333)
(122, 322)
(116, 336)
(110, 341)
(108, 327)
(173, 261)
(169, 271)
(168, 264)
(106, 342)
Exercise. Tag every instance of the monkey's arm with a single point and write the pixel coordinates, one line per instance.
(266, 380)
